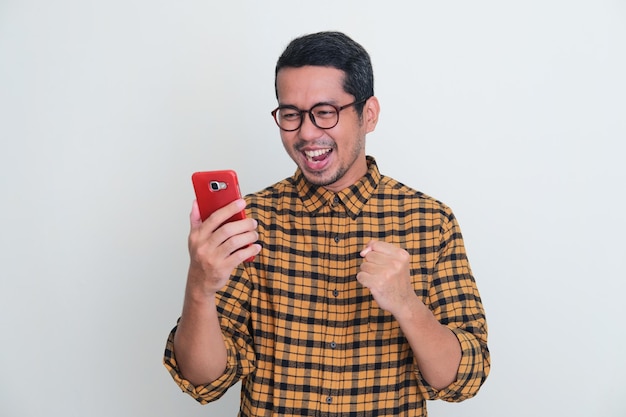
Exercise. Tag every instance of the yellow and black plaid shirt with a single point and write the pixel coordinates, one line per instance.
(307, 339)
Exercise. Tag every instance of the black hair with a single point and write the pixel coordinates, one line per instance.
(336, 50)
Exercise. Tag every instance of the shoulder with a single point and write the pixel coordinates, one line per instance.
(395, 193)
(282, 189)
(273, 197)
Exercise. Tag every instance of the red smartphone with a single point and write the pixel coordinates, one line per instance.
(216, 189)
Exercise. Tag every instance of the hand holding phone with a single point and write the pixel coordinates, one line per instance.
(216, 189)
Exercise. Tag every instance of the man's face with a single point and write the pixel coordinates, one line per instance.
(333, 158)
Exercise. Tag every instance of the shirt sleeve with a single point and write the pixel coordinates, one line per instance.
(239, 349)
(454, 300)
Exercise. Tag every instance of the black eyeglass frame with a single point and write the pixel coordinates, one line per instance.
(310, 111)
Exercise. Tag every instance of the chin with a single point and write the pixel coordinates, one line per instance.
(321, 179)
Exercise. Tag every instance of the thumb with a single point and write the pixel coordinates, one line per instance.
(368, 248)
(194, 217)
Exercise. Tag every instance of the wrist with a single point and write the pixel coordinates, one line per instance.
(200, 295)
(413, 312)
(199, 285)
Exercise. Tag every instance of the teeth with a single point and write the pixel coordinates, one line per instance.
(318, 152)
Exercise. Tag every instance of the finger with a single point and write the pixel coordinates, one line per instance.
(194, 216)
(366, 278)
(382, 247)
(236, 231)
(219, 217)
(368, 248)
(375, 253)
(368, 268)
(245, 253)
(373, 257)
(237, 237)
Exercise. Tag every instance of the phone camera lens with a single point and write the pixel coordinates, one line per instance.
(217, 185)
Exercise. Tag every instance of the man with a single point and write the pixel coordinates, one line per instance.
(360, 300)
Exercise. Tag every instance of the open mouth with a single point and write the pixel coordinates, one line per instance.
(317, 155)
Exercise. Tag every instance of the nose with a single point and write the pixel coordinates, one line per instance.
(308, 130)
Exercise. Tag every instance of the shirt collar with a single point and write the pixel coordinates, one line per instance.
(353, 198)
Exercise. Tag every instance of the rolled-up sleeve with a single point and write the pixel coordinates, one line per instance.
(456, 303)
(240, 352)
(207, 392)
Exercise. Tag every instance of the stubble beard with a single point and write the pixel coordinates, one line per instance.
(317, 178)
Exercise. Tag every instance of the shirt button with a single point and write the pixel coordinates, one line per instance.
(333, 345)
(335, 199)
(337, 239)
(336, 293)
(329, 400)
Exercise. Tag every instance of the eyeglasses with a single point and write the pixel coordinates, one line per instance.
(323, 115)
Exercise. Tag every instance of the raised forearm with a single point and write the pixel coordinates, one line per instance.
(435, 347)
(386, 272)
(198, 343)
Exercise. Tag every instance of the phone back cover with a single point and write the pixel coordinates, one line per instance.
(210, 200)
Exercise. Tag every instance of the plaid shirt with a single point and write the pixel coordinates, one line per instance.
(307, 339)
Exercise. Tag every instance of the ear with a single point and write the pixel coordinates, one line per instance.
(371, 110)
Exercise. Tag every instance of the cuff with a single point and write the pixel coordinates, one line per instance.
(204, 393)
(471, 374)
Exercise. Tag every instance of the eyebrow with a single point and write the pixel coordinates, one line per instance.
(331, 102)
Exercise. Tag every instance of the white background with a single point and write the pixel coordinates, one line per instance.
(512, 113)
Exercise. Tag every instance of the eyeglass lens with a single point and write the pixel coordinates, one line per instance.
(324, 116)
